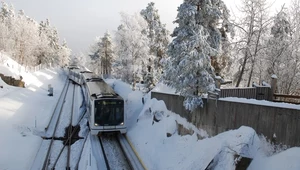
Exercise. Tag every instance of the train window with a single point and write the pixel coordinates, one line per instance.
(107, 102)
(108, 113)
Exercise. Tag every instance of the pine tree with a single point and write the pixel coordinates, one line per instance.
(50, 39)
(159, 40)
(196, 40)
(106, 54)
(64, 54)
(94, 55)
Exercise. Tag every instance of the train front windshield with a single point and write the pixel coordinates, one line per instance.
(109, 112)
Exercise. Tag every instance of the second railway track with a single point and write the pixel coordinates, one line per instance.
(55, 151)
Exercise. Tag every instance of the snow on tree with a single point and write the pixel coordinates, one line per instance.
(106, 54)
(252, 28)
(289, 79)
(49, 50)
(196, 39)
(82, 59)
(278, 45)
(102, 55)
(132, 49)
(94, 54)
(43, 49)
(7, 19)
(159, 40)
(26, 41)
(7, 14)
(64, 54)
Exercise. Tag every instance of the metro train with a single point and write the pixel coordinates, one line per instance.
(104, 106)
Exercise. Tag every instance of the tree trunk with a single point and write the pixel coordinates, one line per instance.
(243, 69)
(250, 74)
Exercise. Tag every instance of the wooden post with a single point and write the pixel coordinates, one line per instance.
(273, 86)
(218, 82)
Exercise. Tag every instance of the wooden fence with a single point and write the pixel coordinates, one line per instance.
(295, 99)
(221, 115)
(259, 93)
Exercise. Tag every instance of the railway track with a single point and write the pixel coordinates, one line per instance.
(115, 152)
(110, 152)
(61, 134)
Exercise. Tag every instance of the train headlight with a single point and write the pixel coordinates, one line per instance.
(96, 124)
(122, 123)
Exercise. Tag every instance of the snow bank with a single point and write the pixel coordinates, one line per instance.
(4, 89)
(162, 88)
(156, 131)
(10, 67)
(288, 159)
(261, 102)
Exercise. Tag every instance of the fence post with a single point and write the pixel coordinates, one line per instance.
(218, 82)
(273, 86)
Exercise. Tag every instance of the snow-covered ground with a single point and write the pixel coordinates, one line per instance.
(25, 112)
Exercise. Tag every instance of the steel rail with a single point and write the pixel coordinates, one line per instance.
(69, 139)
(46, 161)
(104, 155)
(66, 83)
(134, 160)
(70, 132)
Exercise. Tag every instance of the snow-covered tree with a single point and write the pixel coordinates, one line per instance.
(7, 19)
(26, 39)
(94, 55)
(49, 47)
(251, 30)
(82, 59)
(278, 45)
(106, 54)
(196, 39)
(28, 42)
(289, 79)
(102, 55)
(159, 40)
(64, 54)
(132, 48)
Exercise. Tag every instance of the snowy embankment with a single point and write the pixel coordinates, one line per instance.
(151, 125)
(25, 112)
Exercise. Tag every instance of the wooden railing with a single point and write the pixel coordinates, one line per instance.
(249, 93)
(259, 93)
(286, 98)
(266, 92)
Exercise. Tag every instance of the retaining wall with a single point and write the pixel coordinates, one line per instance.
(11, 81)
(219, 116)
